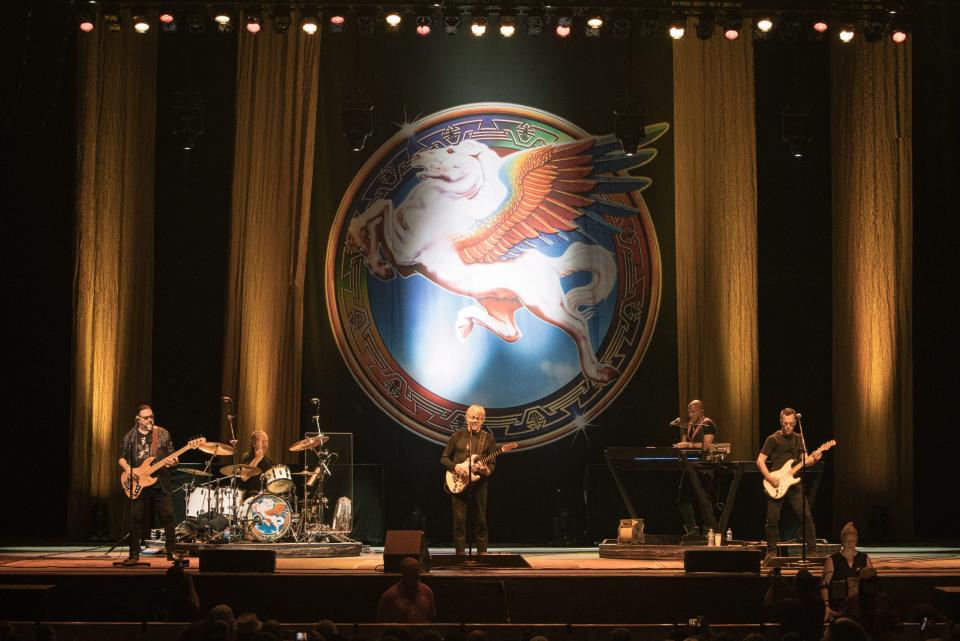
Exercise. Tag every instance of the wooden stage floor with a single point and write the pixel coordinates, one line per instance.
(565, 585)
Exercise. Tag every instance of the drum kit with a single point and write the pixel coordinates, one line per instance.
(218, 511)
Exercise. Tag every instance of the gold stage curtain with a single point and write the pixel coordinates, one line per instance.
(277, 92)
(113, 279)
(716, 234)
(872, 290)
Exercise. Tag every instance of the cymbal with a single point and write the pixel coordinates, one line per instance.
(308, 443)
(217, 449)
(193, 472)
(305, 473)
(244, 472)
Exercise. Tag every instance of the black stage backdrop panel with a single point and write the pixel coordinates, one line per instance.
(538, 493)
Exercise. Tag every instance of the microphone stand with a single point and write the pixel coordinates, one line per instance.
(804, 506)
(234, 513)
(131, 459)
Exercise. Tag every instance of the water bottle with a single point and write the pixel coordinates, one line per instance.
(729, 534)
(710, 537)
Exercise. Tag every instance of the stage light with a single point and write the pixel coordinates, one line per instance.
(564, 26)
(678, 27)
(847, 33)
(479, 26)
(309, 25)
(168, 22)
(224, 21)
(731, 28)
(140, 23)
(791, 29)
(336, 19)
(646, 27)
(821, 26)
(366, 21)
(508, 26)
(254, 21)
(112, 20)
(873, 32)
(357, 123)
(393, 19)
(899, 32)
(451, 24)
(628, 127)
(705, 26)
(281, 19)
(424, 23)
(197, 23)
(535, 24)
(795, 131)
(594, 21)
(85, 22)
(764, 24)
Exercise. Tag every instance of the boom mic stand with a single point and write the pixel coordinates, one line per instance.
(804, 506)
(130, 461)
(235, 512)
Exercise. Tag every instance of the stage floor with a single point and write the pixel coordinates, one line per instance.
(929, 561)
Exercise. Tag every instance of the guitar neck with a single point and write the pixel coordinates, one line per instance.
(157, 465)
(489, 457)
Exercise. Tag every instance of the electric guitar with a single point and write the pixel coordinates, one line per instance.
(455, 482)
(786, 474)
(143, 475)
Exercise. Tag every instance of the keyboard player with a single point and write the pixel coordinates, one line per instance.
(698, 431)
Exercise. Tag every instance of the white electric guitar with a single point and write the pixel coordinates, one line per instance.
(455, 482)
(786, 474)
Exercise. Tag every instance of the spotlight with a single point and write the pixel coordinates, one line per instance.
(628, 127)
(873, 32)
(168, 22)
(140, 23)
(423, 25)
(846, 33)
(899, 31)
(594, 20)
(795, 131)
(336, 19)
(564, 26)
(647, 27)
(820, 26)
(508, 26)
(281, 19)
(479, 26)
(309, 24)
(366, 21)
(254, 21)
(224, 21)
(197, 23)
(705, 26)
(678, 27)
(731, 27)
(188, 116)
(451, 24)
(357, 123)
(85, 22)
(393, 19)
(792, 27)
(113, 20)
(535, 24)
(764, 24)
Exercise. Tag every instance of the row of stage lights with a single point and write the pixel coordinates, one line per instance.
(533, 21)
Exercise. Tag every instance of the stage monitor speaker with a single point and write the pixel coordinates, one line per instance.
(722, 559)
(403, 543)
(217, 560)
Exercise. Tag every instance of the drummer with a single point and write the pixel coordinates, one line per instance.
(256, 455)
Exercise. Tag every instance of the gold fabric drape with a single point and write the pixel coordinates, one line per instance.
(277, 92)
(113, 279)
(872, 291)
(716, 234)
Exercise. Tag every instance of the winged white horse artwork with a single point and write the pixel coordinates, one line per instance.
(474, 222)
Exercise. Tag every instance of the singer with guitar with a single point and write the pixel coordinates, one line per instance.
(140, 443)
(470, 505)
(779, 448)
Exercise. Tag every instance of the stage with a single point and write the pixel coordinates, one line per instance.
(561, 585)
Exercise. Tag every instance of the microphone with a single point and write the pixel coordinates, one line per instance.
(315, 401)
(226, 399)
(799, 415)
(675, 422)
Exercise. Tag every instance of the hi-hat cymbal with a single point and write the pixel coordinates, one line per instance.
(192, 472)
(308, 443)
(244, 472)
(217, 449)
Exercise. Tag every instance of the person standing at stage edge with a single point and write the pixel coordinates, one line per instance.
(699, 431)
(780, 447)
(470, 506)
(141, 442)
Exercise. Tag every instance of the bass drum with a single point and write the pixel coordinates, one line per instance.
(266, 517)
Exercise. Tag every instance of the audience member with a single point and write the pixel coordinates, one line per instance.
(177, 600)
(619, 634)
(844, 629)
(841, 570)
(44, 632)
(247, 625)
(871, 608)
(327, 629)
(799, 609)
(408, 600)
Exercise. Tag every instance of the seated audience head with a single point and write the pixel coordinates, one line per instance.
(844, 629)
(409, 572)
(620, 634)
(805, 584)
(327, 629)
(849, 536)
(223, 612)
(247, 625)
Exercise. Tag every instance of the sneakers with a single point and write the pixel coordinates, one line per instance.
(131, 561)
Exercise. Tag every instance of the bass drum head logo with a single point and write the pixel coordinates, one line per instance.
(500, 255)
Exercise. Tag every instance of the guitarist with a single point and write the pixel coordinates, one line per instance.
(781, 446)
(143, 441)
(470, 506)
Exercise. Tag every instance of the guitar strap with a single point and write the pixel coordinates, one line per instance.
(155, 441)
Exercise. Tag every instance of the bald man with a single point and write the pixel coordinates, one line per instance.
(698, 432)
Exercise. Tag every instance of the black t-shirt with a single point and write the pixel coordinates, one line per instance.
(780, 449)
(137, 445)
(253, 483)
(463, 443)
(695, 433)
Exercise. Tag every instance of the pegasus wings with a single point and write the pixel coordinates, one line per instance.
(550, 187)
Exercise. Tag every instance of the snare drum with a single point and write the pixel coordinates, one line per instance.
(266, 517)
(278, 479)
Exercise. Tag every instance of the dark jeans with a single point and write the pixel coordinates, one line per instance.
(470, 507)
(799, 506)
(153, 499)
(689, 505)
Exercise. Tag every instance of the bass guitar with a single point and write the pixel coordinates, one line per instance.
(143, 476)
(455, 482)
(786, 474)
